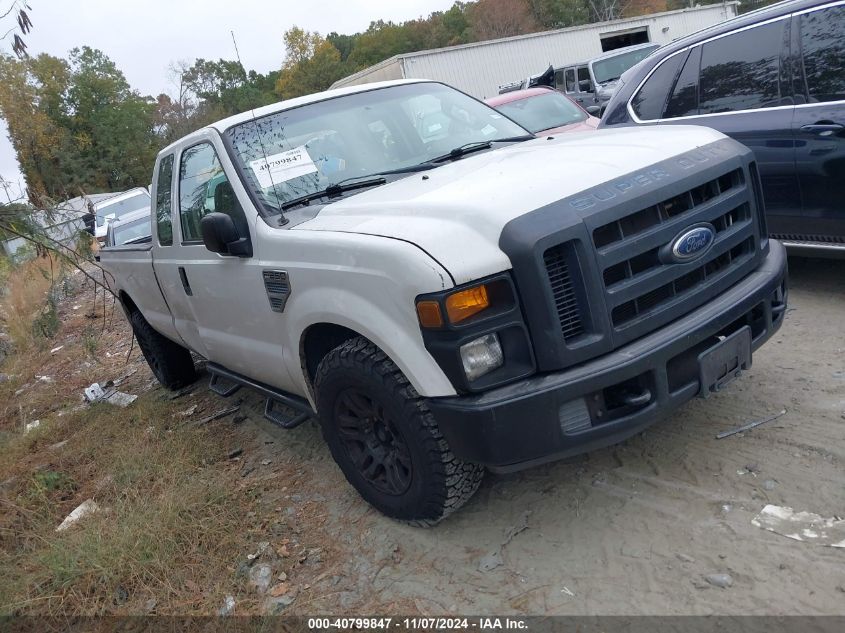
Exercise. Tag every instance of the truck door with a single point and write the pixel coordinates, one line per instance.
(227, 294)
(819, 123)
(167, 261)
(586, 93)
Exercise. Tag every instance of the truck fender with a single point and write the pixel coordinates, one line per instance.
(402, 344)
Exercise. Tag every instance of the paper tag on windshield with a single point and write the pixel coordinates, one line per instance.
(282, 167)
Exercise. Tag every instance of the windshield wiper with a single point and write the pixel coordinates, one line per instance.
(337, 189)
(477, 146)
(354, 182)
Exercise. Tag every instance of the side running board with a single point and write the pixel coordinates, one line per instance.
(225, 383)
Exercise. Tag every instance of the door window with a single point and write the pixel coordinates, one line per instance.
(584, 83)
(742, 71)
(823, 52)
(204, 188)
(559, 80)
(684, 99)
(570, 80)
(164, 222)
(649, 101)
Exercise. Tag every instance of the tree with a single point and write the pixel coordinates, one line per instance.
(490, 19)
(558, 14)
(603, 10)
(16, 12)
(312, 64)
(343, 44)
(76, 125)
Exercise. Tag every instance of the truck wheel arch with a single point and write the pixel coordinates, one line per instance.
(316, 342)
(128, 305)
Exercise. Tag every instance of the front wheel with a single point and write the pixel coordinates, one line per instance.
(385, 439)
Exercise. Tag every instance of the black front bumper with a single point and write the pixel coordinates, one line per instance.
(555, 415)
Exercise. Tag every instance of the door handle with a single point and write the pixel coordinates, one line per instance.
(185, 284)
(823, 128)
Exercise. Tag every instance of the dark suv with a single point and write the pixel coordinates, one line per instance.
(774, 80)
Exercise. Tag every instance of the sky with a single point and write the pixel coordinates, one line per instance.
(144, 36)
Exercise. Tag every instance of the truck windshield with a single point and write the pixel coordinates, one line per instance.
(612, 68)
(115, 210)
(297, 152)
(543, 112)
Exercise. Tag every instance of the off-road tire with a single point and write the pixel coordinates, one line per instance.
(171, 363)
(439, 483)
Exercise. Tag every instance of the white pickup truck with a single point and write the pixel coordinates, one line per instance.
(445, 292)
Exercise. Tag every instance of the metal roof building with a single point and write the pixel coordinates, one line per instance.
(481, 67)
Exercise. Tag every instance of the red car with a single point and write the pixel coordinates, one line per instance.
(543, 111)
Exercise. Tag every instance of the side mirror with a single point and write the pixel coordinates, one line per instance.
(585, 85)
(593, 110)
(220, 235)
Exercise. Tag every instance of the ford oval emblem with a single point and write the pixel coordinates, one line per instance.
(690, 244)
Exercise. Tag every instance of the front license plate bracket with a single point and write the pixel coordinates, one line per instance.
(725, 361)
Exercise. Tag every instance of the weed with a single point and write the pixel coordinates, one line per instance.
(52, 481)
(46, 323)
(90, 341)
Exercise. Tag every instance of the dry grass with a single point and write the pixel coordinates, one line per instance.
(173, 526)
(27, 293)
(170, 522)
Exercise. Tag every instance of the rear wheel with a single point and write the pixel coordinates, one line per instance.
(171, 363)
(385, 439)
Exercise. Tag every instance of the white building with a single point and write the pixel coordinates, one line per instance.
(481, 67)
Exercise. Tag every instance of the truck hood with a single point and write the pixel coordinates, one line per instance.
(456, 212)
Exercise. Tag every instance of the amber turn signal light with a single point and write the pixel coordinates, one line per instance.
(428, 312)
(466, 303)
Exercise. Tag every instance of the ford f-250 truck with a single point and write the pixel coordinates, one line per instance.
(445, 292)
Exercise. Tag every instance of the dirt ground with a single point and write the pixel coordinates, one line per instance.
(630, 529)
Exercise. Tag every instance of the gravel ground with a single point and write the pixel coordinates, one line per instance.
(635, 528)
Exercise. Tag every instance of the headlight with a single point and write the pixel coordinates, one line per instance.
(481, 356)
(459, 306)
(476, 333)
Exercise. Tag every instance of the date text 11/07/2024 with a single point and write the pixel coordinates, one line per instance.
(418, 624)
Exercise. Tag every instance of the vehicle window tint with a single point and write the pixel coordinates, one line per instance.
(684, 99)
(558, 80)
(649, 101)
(570, 80)
(203, 188)
(164, 222)
(823, 50)
(741, 71)
(584, 76)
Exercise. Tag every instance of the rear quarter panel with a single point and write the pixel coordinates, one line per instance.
(130, 270)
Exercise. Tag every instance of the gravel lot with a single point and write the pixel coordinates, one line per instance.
(631, 529)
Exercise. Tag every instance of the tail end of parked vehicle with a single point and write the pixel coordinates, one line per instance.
(385, 440)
